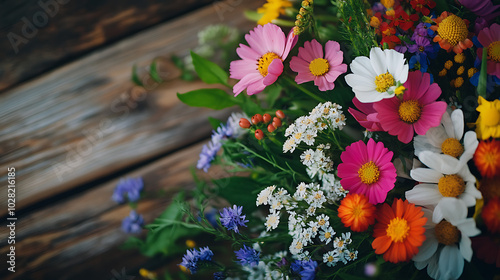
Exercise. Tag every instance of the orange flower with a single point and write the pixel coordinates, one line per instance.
(356, 212)
(487, 158)
(399, 231)
(452, 32)
(491, 215)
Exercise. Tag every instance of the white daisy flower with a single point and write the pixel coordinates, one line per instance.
(377, 77)
(447, 242)
(436, 183)
(300, 192)
(323, 220)
(331, 258)
(350, 256)
(313, 225)
(326, 234)
(316, 199)
(445, 140)
(272, 221)
(339, 244)
(296, 247)
(264, 196)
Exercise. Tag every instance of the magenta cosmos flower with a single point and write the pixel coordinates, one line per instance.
(311, 65)
(262, 62)
(417, 111)
(367, 169)
(367, 116)
(490, 39)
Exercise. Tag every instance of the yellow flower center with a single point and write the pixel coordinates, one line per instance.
(452, 147)
(264, 62)
(451, 185)
(357, 211)
(328, 235)
(453, 29)
(330, 259)
(490, 116)
(409, 111)
(494, 51)
(319, 66)
(446, 233)
(369, 173)
(384, 82)
(322, 222)
(398, 229)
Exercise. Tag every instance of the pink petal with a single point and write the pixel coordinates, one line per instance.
(274, 39)
(291, 40)
(306, 52)
(405, 133)
(322, 83)
(245, 82)
(304, 77)
(256, 87)
(333, 53)
(316, 49)
(432, 93)
(335, 72)
(240, 68)
(246, 52)
(273, 71)
(299, 65)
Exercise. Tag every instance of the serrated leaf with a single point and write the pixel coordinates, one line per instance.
(135, 78)
(212, 98)
(153, 72)
(208, 71)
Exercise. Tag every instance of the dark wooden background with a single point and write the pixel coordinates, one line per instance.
(72, 124)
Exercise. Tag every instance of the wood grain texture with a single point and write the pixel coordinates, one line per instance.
(85, 120)
(38, 35)
(79, 238)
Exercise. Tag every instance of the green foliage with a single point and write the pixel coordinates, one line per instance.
(208, 71)
(239, 190)
(481, 87)
(212, 98)
(214, 122)
(135, 78)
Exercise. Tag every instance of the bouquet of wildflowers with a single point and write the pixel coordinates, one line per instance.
(367, 145)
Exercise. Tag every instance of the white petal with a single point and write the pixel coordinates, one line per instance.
(377, 60)
(468, 227)
(427, 250)
(426, 175)
(395, 61)
(466, 248)
(457, 117)
(468, 199)
(402, 75)
(433, 267)
(368, 96)
(451, 209)
(436, 136)
(424, 194)
(440, 162)
(451, 262)
(361, 66)
(447, 124)
(470, 145)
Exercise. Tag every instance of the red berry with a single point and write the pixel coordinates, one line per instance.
(259, 134)
(267, 118)
(276, 122)
(244, 123)
(271, 128)
(280, 114)
(257, 118)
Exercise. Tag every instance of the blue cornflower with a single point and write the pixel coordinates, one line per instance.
(207, 155)
(193, 257)
(131, 187)
(248, 256)
(231, 218)
(219, 275)
(419, 62)
(133, 223)
(306, 269)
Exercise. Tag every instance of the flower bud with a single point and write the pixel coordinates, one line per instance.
(280, 114)
(276, 122)
(244, 123)
(257, 118)
(266, 118)
(271, 128)
(259, 134)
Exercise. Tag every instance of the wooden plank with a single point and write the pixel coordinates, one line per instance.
(38, 35)
(79, 237)
(85, 120)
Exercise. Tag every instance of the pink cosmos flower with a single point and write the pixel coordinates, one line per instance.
(262, 61)
(417, 111)
(368, 117)
(311, 65)
(367, 169)
(490, 39)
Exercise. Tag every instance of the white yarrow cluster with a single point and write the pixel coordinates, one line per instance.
(317, 162)
(306, 128)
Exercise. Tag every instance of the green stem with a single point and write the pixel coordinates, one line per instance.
(303, 89)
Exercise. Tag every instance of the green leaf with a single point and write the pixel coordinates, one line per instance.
(247, 105)
(135, 78)
(212, 98)
(208, 71)
(481, 86)
(241, 191)
(273, 93)
(214, 122)
(153, 72)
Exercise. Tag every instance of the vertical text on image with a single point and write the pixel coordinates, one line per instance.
(11, 218)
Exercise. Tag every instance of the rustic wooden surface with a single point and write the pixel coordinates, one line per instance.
(48, 35)
(72, 133)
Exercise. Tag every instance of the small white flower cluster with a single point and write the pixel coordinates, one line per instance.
(308, 228)
(316, 161)
(332, 188)
(306, 128)
(265, 269)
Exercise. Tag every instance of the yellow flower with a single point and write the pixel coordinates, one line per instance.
(271, 10)
(488, 122)
(147, 274)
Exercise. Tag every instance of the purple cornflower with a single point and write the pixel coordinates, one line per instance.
(231, 218)
(193, 257)
(306, 269)
(207, 155)
(133, 223)
(248, 256)
(219, 275)
(131, 187)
